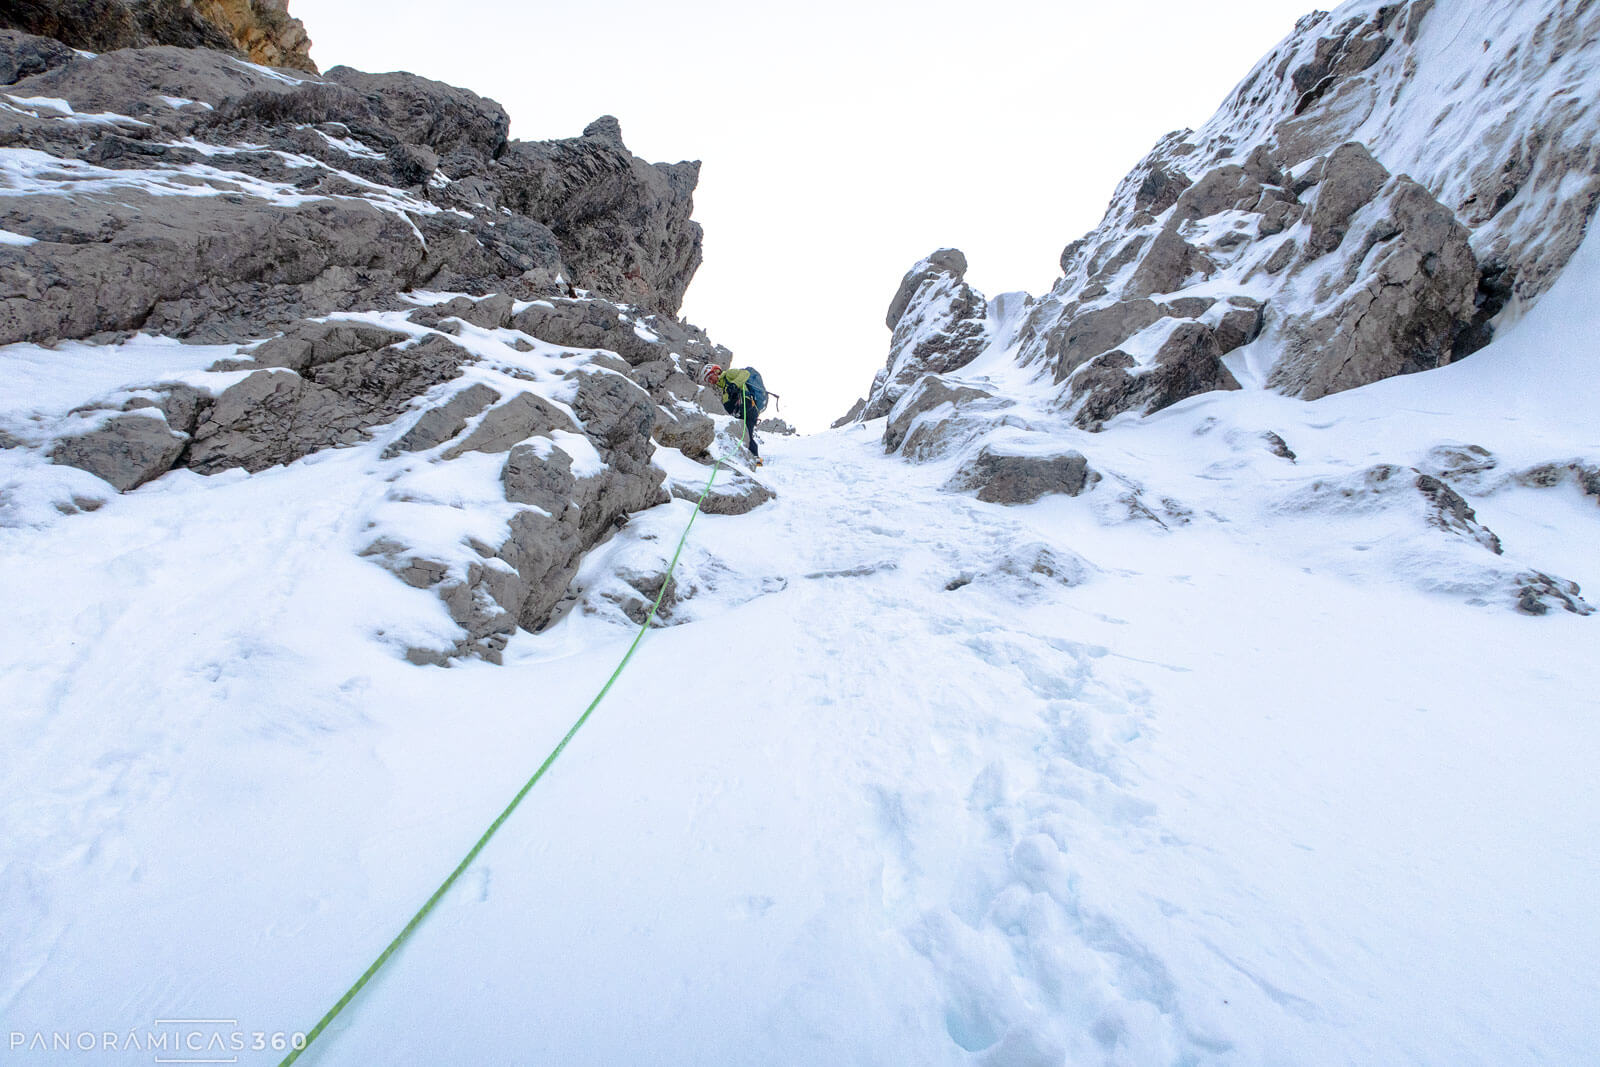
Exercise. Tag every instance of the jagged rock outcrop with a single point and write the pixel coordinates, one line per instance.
(1347, 213)
(1365, 205)
(262, 31)
(1371, 277)
(291, 217)
(278, 416)
(777, 426)
(464, 131)
(623, 224)
(939, 325)
(1395, 287)
(23, 55)
(1188, 362)
(238, 201)
(596, 323)
(853, 414)
(569, 434)
(735, 493)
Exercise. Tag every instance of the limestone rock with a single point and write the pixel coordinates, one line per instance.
(311, 344)
(1159, 189)
(125, 450)
(262, 30)
(944, 261)
(510, 422)
(1239, 325)
(23, 55)
(1004, 477)
(1278, 446)
(490, 313)
(568, 516)
(852, 415)
(271, 417)
(1388, 485)
(1537, 592)
(1085, 336)
(619, 417)
(623, 223)
(1448, 511)
(638, 339)
(1395, 294)
(1546, 475)
(940, 324)
(1189, 362)
(733, 493)
(777, 426)
(690, 432)
(278, 416)
(540, 476)
(318, 196)
(607, 129)
(523, 580)
(180, 404)
(928, 394)
(205, 267)
(377, 384)
(1350, 180)
(1226, 188)
(1166, 266)
(456, 124)
(439, 424)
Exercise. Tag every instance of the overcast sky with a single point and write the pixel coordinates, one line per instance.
(841, 141)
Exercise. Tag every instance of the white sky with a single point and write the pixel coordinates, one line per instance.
(841, 141)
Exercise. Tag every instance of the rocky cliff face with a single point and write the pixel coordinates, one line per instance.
(1387, 185)
(359, 261)
(939, 324)
(260, 30)
(182, 192)
(1382, 185)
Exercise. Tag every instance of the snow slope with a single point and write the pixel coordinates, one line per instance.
(916, 779)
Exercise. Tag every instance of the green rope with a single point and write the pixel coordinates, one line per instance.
(422, 912)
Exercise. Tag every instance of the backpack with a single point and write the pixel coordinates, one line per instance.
(758, 390)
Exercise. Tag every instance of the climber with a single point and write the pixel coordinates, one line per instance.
(743, 394)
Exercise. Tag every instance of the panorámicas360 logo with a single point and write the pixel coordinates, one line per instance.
(166, 1040)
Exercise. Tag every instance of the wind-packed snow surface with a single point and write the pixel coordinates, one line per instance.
(913, 779)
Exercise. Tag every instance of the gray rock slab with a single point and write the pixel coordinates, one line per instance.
(125, 450)
(512, 421)
(439, 424)
(1002, 477)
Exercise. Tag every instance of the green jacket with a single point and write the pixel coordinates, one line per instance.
(737, 379)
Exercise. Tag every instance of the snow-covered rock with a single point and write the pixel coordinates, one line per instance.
(294, 216)
(1375, 199)
(1022, 476)
(939, 324)
(1382, 186)
(270, 197)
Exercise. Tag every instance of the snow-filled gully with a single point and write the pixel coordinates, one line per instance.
(917, 779)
